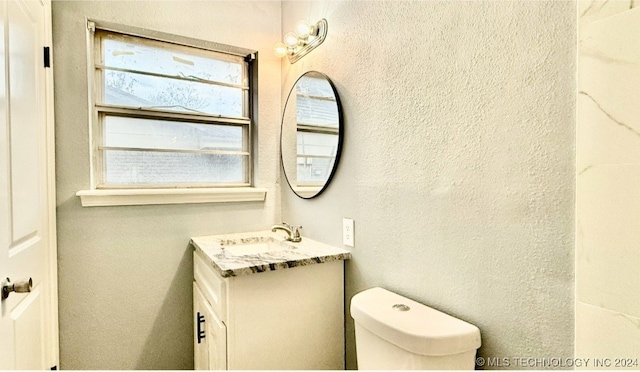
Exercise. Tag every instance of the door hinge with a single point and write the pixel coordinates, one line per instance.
(47, 57)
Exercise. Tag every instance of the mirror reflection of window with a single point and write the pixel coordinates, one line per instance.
(316, 155)
(317, 131)
(311, 135)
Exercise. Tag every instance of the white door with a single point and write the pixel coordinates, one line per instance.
(28, 322)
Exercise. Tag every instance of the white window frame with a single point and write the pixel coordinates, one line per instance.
(103, 195)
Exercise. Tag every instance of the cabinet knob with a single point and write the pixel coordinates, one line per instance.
(22, 286)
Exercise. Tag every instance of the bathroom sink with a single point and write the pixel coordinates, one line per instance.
(253, 246)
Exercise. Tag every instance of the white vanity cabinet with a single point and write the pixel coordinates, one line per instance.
(279, 319)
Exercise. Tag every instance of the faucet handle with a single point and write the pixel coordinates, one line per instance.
(295, 233)
(286, 225)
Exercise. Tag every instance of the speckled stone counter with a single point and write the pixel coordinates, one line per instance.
(307, 252)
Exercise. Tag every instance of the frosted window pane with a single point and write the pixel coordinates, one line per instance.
(135, 54)
(160, 134)
(322, 144)
(316, 155)
(137, 167)
(313, 86)
(136, 90)
(317, 112)
(314, 170)
(316, 103)
(149, 150)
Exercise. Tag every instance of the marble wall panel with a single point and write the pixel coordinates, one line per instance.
(608, 257)
(608, 184)
(598, 335)
(594, 10)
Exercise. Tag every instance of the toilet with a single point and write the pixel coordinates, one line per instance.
(394, 332)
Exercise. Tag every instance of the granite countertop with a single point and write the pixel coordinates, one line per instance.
(307, 252)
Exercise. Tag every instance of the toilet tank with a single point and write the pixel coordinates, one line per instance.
(394, 332)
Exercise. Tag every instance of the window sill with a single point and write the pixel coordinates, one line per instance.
(114, 197)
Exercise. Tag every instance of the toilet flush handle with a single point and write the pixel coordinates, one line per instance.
(401, 307)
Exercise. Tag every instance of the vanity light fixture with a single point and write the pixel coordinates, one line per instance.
(301, 41)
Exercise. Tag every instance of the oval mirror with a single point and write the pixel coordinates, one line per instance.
(311, 134)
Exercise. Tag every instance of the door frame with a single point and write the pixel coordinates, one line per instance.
(52, 339)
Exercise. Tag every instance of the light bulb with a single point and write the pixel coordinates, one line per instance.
(290, 40)
(303, 29)
(280, 49)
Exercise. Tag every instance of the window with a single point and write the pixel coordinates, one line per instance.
(168, 111)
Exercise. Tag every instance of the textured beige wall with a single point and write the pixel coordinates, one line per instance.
(608, 185)
(126, 272)
(458, 160)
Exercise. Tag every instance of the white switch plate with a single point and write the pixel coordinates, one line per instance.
(347, 232)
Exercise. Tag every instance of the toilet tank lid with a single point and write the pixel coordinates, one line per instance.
(420, 330)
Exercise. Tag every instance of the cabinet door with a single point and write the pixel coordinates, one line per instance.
(210, 342)
(201, 351)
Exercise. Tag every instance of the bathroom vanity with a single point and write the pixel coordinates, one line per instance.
(261, 302)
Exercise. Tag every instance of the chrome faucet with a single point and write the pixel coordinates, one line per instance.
(293, 232)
